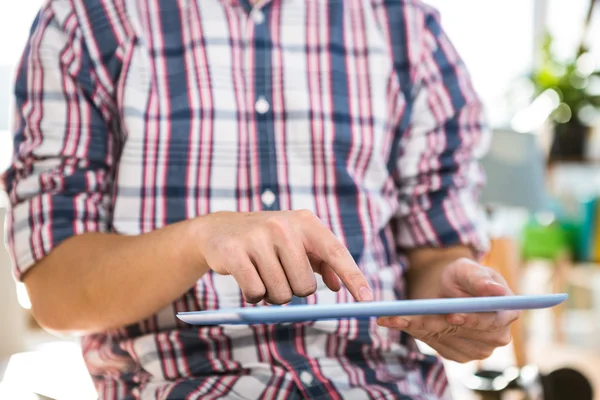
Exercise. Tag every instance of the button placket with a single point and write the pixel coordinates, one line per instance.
(258, 16)
(306, 378)
(261, 105)
(261, 82)
(268, 198)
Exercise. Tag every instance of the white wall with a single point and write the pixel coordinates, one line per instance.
(12, 316)
(6, 78)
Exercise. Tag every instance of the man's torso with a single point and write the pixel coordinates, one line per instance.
(290, 105)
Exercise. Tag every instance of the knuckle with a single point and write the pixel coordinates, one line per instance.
(280, 298)
(451, 330)
(437, 336)
(462, 359)
(354, 278)
(278, 225)
(495, 325)
(443, 353)
(428, 337)
(254, 295)
(474, 323)
(483, 353)
(464, 260)
(338, 250)
(305, 215)
(219, 269)
(306, 290)
(503, 340)
(456, 357)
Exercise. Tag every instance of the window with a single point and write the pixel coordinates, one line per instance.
(496, 41)
(565, 23)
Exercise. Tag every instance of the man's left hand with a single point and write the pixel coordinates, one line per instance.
(462, 337)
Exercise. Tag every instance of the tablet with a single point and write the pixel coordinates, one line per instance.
(364, 310)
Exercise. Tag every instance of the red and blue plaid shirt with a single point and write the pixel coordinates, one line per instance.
(131, 115)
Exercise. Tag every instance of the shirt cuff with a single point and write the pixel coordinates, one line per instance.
(36, 226)
(442, 220)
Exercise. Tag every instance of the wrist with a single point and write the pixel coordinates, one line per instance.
(192, 235)
(424, 283)
(426, 266)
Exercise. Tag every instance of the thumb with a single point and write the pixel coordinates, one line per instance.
(476, 280)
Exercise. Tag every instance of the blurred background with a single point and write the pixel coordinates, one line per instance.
(536, 64)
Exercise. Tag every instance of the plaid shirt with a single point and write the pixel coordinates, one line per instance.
(131, 115)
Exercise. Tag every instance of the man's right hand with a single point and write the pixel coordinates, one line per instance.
(98, 281)
(275, 254)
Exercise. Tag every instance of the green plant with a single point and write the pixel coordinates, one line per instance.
(573, 82)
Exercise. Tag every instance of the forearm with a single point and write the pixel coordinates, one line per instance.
(98, 281)
(426, 266)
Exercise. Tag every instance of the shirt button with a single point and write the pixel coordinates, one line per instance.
(258, 17)
(268, 198)
(262, 105)
(306, 378)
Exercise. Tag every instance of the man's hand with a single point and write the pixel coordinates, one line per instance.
(462, 337)
(274, 255)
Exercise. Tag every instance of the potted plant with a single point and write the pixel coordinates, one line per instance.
(574, 83)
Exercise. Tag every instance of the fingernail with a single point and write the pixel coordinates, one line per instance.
(458, 319)
(496, 284)
(401, 323)
(365, 294)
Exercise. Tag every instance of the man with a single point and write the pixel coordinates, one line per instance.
(193, 155)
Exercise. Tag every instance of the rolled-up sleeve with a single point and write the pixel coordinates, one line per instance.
(59, 180)
(439, 174)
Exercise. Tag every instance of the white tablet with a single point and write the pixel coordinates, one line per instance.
(302, 313)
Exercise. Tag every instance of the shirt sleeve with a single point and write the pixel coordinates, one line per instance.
(441, 143)
(59, 180)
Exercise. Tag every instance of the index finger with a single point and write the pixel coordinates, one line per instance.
(321, 243)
